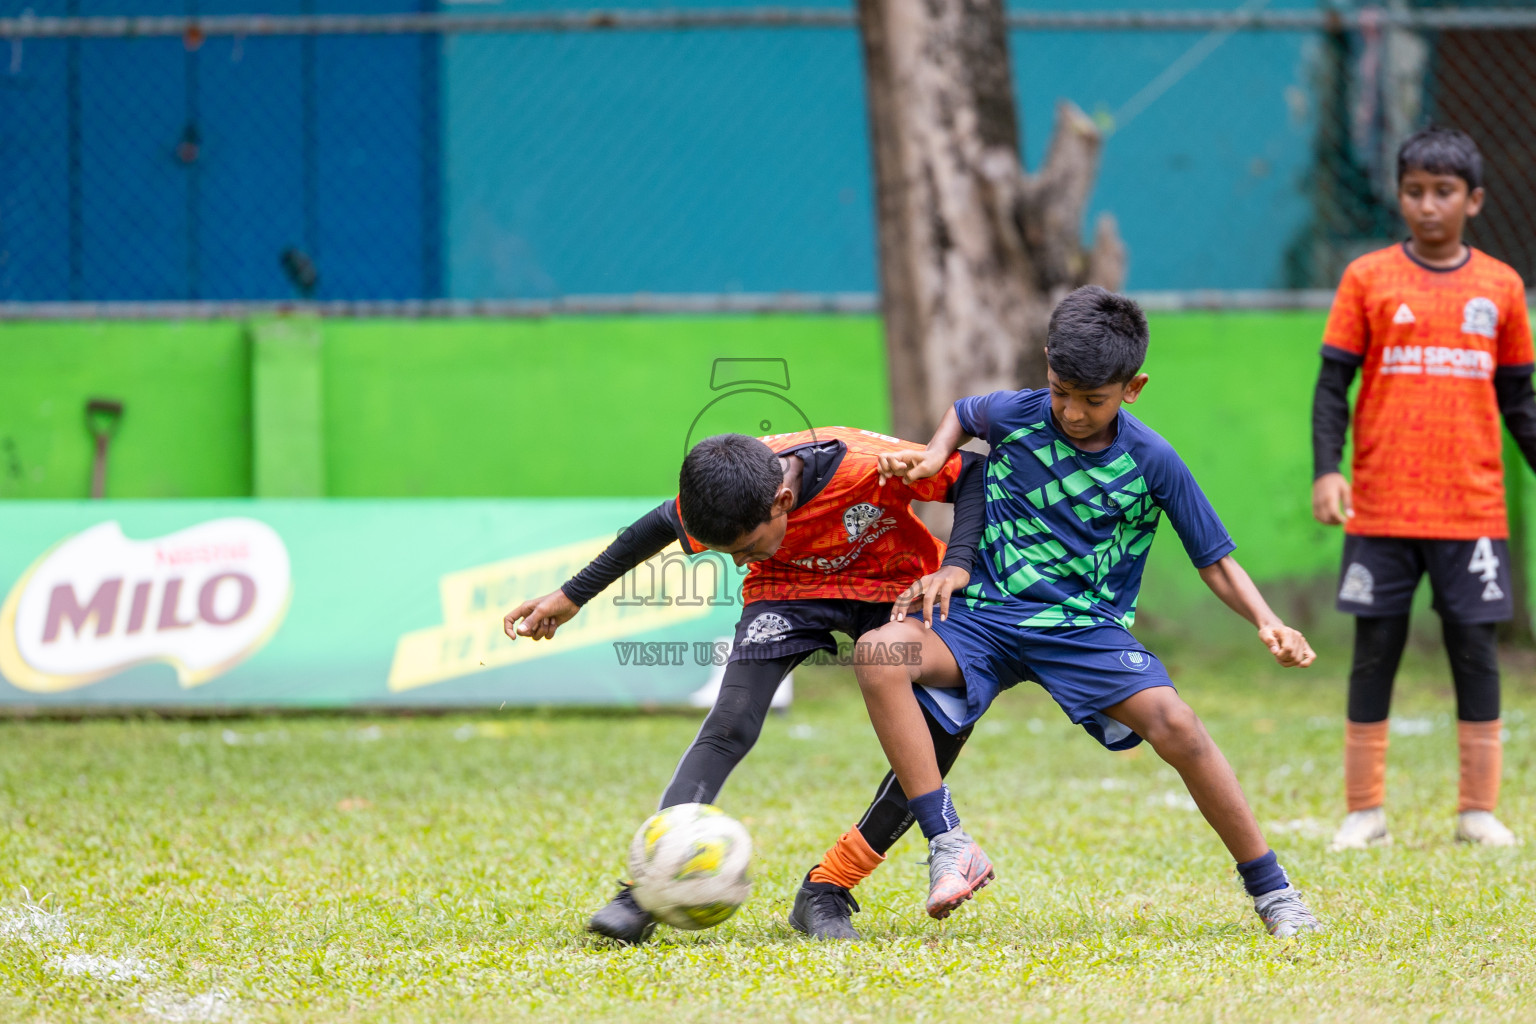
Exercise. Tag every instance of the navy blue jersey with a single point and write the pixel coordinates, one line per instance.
(1068, 531)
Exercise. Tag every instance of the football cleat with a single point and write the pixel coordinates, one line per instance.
(622, 919)
(1284, 914)
(1360, 830)
(956, 870)
(823, 910)
(1483, 829)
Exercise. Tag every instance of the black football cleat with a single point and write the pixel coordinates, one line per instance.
(622, 919)
(824, 911)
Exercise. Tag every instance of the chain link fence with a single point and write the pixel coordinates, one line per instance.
(409, 159)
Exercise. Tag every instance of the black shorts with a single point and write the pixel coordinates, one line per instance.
(1469, 578)
(778, 629)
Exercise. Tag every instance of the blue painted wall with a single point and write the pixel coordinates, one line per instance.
(739, 161)
(666, 162)
(1207, 181)
(354, 185)
(541, 165)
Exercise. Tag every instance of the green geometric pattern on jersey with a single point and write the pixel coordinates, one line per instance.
(1023, 552)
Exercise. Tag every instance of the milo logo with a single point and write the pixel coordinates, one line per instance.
(201, 600)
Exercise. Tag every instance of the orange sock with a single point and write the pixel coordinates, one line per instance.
(848, 862)
(1482, 764)
(1365, 764)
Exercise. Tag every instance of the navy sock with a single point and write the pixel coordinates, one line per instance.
(1263, 875)
(935, 812)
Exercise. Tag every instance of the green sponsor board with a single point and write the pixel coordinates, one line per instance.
(338, 603)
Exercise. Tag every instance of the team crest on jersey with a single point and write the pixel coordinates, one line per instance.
(858, 518)
(1480, 316)
(766, 628)
(1136, 661)
(1359, 585)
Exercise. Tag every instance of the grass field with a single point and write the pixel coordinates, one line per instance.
(430, 869)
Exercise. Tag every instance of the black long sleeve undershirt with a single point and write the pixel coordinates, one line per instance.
(1330, 412)
(652, 532)
(1512, 387)
(640, 540)
(969, 496)
(1517, 404)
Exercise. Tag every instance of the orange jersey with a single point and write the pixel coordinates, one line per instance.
(854, 538)
(1428, 458)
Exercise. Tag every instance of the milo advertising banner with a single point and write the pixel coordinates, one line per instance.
(335, 603)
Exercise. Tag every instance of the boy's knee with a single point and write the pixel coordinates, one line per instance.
(880, 678)
(1175, 729)
(881, 660)
(731, 726)
(730, 732)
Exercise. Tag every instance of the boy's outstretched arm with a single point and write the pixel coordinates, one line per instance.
(1229, 582)
(913, 464)
(541, 616)
(969, 496)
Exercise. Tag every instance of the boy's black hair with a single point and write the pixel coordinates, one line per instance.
(727, 486)
(1096, 337)
(1441, 151)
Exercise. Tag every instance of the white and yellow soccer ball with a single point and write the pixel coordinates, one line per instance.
(688, 864)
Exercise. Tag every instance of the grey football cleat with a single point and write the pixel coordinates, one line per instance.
(823, 910)
(1481, 828)
(1361, 830)
(1284, 914)
(957, 870)
(622, 919)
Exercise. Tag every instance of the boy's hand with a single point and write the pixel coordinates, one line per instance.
(1288, 646)
(542, 616)
(910, 464)
(1332, 499)
(935, 586)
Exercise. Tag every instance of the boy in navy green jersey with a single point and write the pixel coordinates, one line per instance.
(1075, 488)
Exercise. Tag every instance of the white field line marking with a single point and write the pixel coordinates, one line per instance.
(105, 968)
(213, 1005)
(37, 925)
(32, 923)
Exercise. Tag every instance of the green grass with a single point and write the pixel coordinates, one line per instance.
(435, 869)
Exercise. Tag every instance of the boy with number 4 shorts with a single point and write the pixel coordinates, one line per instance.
(831, 543)
(1441, 338)
(1075, 488)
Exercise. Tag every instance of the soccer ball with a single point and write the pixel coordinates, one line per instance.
(689, 866)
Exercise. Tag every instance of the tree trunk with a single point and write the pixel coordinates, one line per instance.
(974, 253)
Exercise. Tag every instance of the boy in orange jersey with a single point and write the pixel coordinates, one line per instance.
(830, 546)
(1441, 336)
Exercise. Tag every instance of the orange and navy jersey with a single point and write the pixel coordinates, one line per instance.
(1428, 456)
(852, 537)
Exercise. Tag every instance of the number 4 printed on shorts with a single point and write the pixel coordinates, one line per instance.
(1485, 562)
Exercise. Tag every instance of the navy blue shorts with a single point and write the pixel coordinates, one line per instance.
(780, 629)
(1085, 670)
